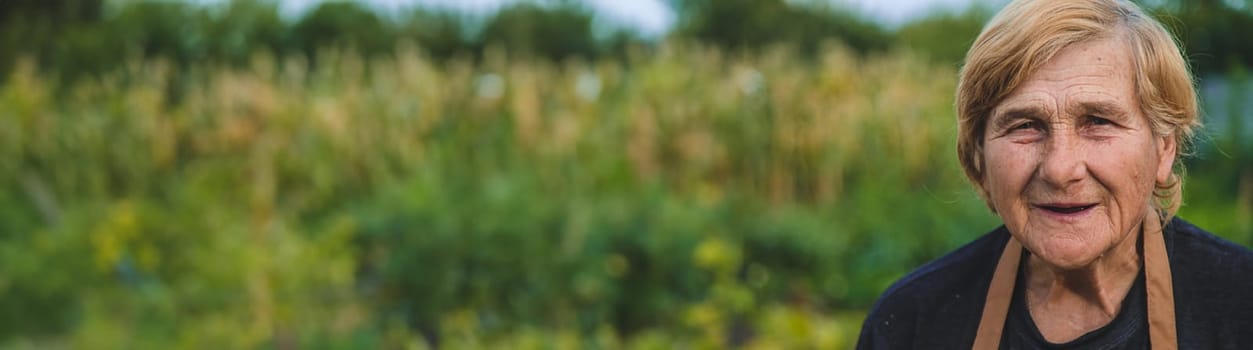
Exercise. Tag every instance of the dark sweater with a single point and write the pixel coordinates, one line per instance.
(938, 306)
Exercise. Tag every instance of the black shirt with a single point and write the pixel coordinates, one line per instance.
(1128, 330)
(938, 306)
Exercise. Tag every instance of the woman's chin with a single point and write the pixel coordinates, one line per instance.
(1065, 254)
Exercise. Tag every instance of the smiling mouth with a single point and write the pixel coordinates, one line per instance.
(1066, 208)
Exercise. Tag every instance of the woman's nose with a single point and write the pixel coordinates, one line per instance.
(1064, 161)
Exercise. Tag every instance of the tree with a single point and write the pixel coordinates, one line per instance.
(946, 37)
(343, 25)
(741, 24)
(555, 33)
(1210, 31)
(31, 27)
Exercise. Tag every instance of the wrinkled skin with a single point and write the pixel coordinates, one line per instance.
(1070, 137)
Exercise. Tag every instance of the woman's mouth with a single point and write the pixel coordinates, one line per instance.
(1067, 210)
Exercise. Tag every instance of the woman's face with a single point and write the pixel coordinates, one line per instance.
(1071, 159)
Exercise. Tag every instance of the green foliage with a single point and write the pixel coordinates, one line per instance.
(1209, 31)
(440, 34)
(80, 39)
(556, 33)
(745, 24)
(944, 37)
(35, 27)
(691, 199)
(342, 25)
(1210, 36)
(85, 38)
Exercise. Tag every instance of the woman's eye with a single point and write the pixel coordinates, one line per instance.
(1098, 121)
(1024, 126)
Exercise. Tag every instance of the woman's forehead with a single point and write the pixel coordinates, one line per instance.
(1095, 75)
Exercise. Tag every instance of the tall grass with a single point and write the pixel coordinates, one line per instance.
(684, 196)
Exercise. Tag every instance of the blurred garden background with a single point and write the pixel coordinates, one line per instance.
(536, 175)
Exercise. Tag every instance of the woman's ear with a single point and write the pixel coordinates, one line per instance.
(1167, 150)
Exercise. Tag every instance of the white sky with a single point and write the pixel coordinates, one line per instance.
(652, 17)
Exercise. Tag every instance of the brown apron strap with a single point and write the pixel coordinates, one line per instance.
(1161, 296)
(1000, 293)
(1159, 285)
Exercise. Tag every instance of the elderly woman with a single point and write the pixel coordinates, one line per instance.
(1072, 116)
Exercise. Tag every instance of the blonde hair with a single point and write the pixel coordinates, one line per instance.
(1028, 33)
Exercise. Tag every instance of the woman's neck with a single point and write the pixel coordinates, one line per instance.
(1066, 304)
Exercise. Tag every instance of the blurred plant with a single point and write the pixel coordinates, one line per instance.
(689, 198)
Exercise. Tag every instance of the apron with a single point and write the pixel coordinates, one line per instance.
(1161, 297)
